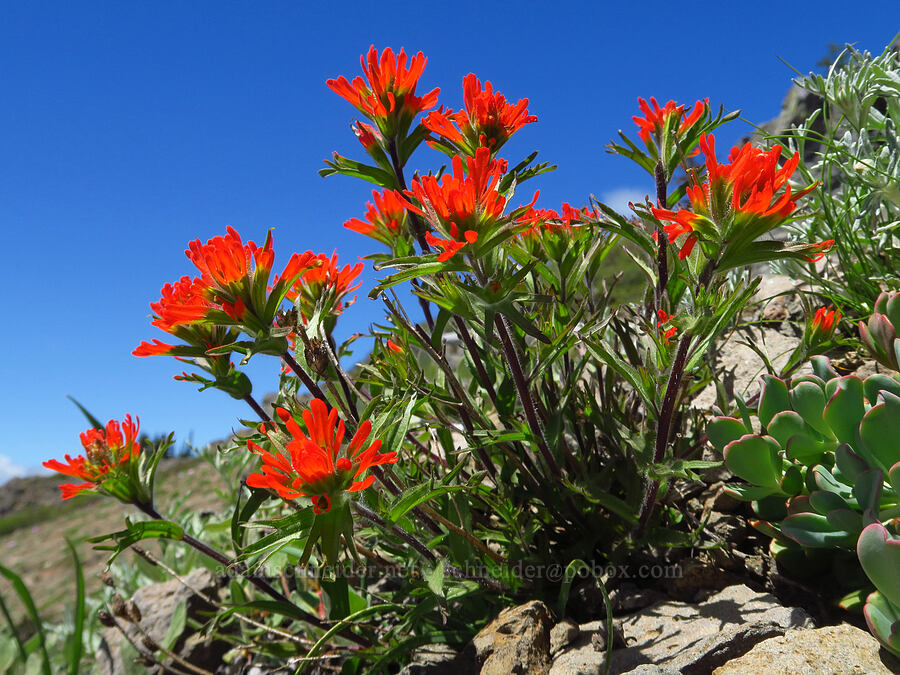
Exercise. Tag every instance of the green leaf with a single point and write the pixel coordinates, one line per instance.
(25, 596)
(411, 498)
(749, 493)
(243, 515)
(338, 593)
(879, 555)
(176, 626)
(814, 530)
(74, 642)
(756, 460)
(774, 398)
(880, 432)
(94, 422)
(336, 628)
(845, 410)
(135, 532)
(808, 399)
(435, 579)
(883, 619)
(631, 375)
(289, 529)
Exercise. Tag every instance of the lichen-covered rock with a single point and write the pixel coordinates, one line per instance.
(680, 637)
(832, 649)
(516, 642)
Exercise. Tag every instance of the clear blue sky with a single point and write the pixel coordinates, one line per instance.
(129, 128)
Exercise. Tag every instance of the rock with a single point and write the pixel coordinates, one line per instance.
(436, 659)
(581, 659)
(157, 604)
(796, 108)
(832, 649)
(563, 634)
(715, 498)
(731, 528)
(629, 598)
(517, 641)
(741, 366)
(694, 576)
(586, 655)
(679, 637)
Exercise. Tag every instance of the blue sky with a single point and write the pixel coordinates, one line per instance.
(129, 129)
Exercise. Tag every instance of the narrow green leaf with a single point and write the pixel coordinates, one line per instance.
(25, 596)
(176, 626)
(74, 643)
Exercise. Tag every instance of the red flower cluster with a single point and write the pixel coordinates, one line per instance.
(387, 95)
(232, 289)
(744, 193)
(182, 305)
(664, 318)
(464, 202)
(548, 220)
(486, 121)
(384, 219)
(654, 120)
(314, 465)
(326, 283)
(823, 323)
(105, 450)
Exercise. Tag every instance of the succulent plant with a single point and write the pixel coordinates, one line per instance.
(879, 333)
(822, 471)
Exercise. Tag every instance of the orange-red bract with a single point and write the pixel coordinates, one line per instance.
(384, 218)
(387, 94)
(315, 464)
(486, 121)
(464, 202)
(104, 451)
(654, 119)
(326, 281)
(747, 191)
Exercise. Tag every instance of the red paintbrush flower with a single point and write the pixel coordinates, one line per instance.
(237, 275)
(325, 285)
(548, 220)
(384, 219)
(463, 204)
(664, 318)
(313, 463)
(486, 121)
(738, 202)
(822, 325)
(387, 95)
(654, 120)
(180, 312)
(105, 451)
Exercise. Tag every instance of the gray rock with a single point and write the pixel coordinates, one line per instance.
(563, 634)
(586, 655)
(677, 636)
(821, 651)
(741, 366)
(628, 598)
(436, 659)
(517, 641)
(157, 603)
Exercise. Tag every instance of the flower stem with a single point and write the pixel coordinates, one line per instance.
(662, 239)
(421, 548)
(257, 408)
(515, 368)
(663, 426)
(304, 378)
(257, 581)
